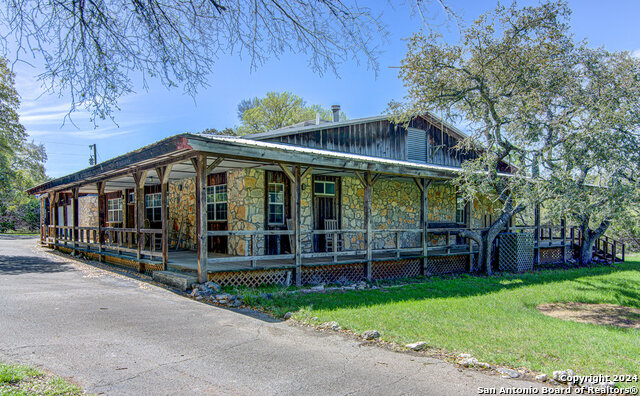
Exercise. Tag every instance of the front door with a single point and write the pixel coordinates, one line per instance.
(277, 202)
(326, 206)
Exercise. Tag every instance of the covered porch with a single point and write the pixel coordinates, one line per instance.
(291, 211)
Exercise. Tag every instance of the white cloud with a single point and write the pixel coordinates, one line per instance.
(636, 53)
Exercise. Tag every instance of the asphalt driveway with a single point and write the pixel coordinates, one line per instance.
(113, 335)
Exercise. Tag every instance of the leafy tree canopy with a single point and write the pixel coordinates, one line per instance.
(277, 110)
(563, 115)
(21, 161)
(92, 49)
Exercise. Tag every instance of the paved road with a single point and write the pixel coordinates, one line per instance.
(116, 335)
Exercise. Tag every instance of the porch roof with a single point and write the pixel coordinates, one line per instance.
(237, 153)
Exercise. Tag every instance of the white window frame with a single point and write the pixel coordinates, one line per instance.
(132, 197)
(212, 192)
(270, 203)
(461, 210)
(324, 184)
(154, 206)
(114, 213)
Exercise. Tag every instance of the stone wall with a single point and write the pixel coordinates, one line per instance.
(245, 197)
(395, 205)
(306, 214)
(88, 211)
(442, 203)
(181, 202)
(482, 206)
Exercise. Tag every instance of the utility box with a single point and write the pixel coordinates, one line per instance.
(515, 252)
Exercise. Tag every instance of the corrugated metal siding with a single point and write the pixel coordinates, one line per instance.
(417, 145)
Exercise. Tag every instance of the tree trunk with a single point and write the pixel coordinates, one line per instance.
(588, 238)
(486, 238)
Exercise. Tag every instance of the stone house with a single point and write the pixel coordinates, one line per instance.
(315, 202)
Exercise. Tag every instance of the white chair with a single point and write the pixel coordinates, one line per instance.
(332, 225)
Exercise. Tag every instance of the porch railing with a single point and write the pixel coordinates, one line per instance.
(399, 242)
(113, 241)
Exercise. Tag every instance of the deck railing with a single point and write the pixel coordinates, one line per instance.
(113, 241)
(406, 242)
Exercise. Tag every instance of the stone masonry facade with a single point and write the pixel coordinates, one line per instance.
(181, 202)
(88, 211)
(395, 205)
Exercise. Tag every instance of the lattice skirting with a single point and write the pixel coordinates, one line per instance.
(552, 256)
(339, 273)
(252, 278)
(447, 264)
(403, 268)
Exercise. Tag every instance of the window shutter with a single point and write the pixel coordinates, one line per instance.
(416, 145)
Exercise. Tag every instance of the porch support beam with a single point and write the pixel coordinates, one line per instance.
(368, 187)
(214, 164)
(469, 221)
(306, 172)
(201, 214)
(287, 172)
(101, 207)
(563, 224)
(297, 220)
(140, 177)
(424, 221)
(163, 175)
(74, 218)
(536, 221)
(53, 203)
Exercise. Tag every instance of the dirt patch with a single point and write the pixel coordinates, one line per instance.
(601, 314)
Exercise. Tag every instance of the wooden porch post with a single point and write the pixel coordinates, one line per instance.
(74, 218)
(367, 222)
(101, 204)
(423, 186)
(563, 224)
(201, 215)
(536, 215)
(139, 178)
(469, 226)
(295, 177)
(53, 207)
(297, 194)
(163, 176)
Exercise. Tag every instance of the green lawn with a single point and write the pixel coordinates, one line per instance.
(493, 318)
(22, 380)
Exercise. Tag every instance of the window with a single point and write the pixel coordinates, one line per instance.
(132, 197)
(461, 210)
(217, 203)
(153, 205)
(114, 210)
(326, 188)
(276, 203)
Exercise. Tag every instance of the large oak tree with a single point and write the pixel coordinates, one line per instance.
(536, 105)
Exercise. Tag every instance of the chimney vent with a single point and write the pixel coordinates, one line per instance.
(336, 112)
(317, 118)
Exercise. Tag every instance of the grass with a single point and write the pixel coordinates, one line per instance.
(493, 318)
(19, 380)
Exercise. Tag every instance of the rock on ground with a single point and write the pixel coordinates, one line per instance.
(370, 335)
(417, 346)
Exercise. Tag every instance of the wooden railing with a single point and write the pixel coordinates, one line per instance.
(407, 241)
(607, 248)
(113, 241)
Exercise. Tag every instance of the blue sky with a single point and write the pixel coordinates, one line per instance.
(155, 113)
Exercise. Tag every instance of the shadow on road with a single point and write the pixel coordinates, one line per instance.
(17, 265)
